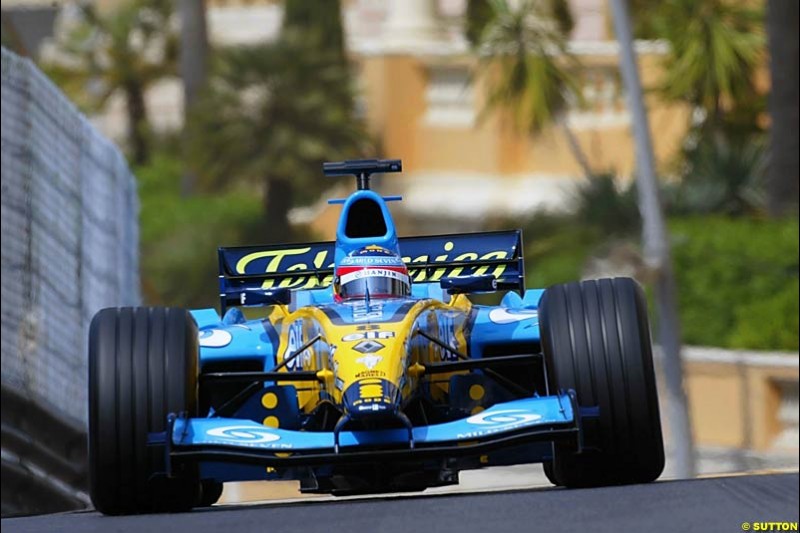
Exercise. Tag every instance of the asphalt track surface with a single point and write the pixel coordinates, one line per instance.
(713, 504)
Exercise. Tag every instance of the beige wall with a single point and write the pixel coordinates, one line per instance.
(738, 402)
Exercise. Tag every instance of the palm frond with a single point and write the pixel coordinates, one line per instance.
(275, 112)
(525, 64)
(716, 45)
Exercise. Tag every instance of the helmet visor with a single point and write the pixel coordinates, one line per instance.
(393, 285)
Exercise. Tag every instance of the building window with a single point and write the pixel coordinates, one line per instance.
(603, 101)
(449, 96)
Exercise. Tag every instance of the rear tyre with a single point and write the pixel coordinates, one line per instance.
(142, 366)
(596, 341)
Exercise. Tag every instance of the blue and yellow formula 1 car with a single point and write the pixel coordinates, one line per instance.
(369, 369)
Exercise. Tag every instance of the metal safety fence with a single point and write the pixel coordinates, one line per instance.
(69, 239)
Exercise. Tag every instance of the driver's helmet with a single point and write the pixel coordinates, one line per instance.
(371, 271)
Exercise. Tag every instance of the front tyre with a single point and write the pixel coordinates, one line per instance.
(596, 341)
(211, 492)
(142, 366)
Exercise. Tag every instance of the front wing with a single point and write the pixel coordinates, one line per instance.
(503, 425)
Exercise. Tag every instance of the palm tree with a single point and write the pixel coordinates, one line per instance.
(273, 114)
(478, 15)
(125, 50)
(324, 19)
(715, 48)
(526, 66)
(721, 175)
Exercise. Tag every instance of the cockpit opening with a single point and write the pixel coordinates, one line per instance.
(365, 219)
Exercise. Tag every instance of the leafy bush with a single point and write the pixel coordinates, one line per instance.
(721, 174)
(557, 244)
(737, 281)
(604, 204)
(737, 278)
(179, 237)
(555, 249)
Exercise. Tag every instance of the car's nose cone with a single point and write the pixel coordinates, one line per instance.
(368, 398)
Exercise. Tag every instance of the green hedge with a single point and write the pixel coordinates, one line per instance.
(556, 248)
(179, 236)
(737, 278)
(738, 281)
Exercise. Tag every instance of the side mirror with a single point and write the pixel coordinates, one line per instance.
(275, 296)
(467, 284)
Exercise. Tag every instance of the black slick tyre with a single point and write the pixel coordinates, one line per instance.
(547, 466)
(596, 341)
(211, 491)
(142, 366)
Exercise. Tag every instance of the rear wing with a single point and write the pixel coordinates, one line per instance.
(429, 259)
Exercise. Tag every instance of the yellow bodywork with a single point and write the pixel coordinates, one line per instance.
(347, 353)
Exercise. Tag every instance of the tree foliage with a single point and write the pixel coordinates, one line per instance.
(480, 13)
(715, 48)
(179, 237)
(737, 278)
(525, 63)
(738, 281)
(323, 18)
(124, 50)
(603, 204)
(721, 174)
(273, 114)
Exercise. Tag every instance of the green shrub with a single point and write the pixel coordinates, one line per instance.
(556, 248)
(737, 281)
(179, 237)
(737, 278)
